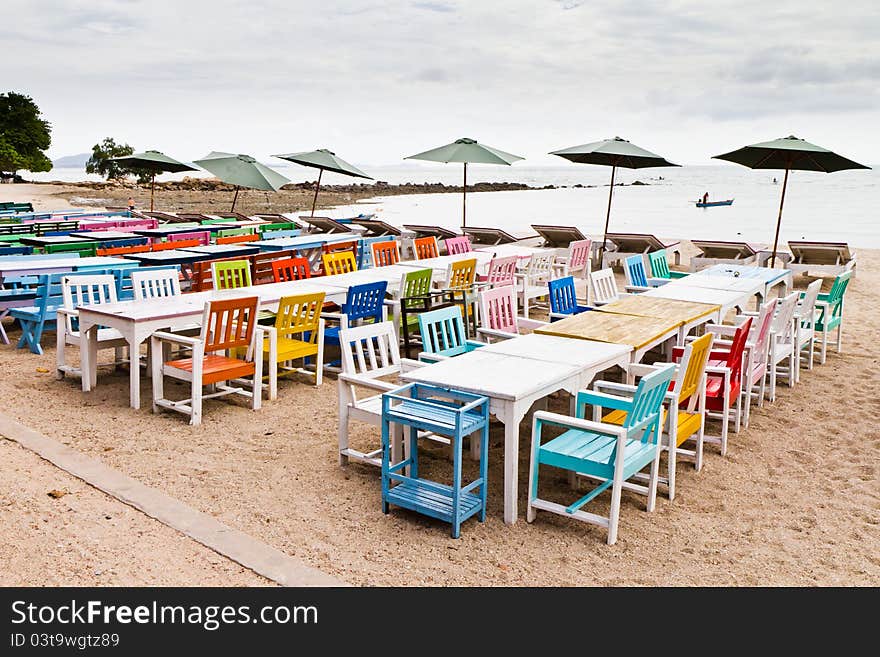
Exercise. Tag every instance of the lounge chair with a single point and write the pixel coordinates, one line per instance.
(431, 231)
(492, 236)
(377, 228)
(162, 216)
(326, 225)
(559, 236)
(624, 245)
(714, 252)
(821, 258)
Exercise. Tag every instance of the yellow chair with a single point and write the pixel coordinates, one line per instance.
(298, 333)
(460, 281)
(685, 404)
(340, 262)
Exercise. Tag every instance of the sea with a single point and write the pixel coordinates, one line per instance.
(841, 206)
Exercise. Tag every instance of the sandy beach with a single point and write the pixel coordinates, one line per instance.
(795, 502)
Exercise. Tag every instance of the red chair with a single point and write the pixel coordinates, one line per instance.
(290, 269)
(426, 247)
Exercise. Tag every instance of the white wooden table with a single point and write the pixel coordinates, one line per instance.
(441, 263)
(727, 299)
(513, 383)
(506, 250)
(769, 277)
(137, 320)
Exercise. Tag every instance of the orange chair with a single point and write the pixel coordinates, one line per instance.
(340, 262)
(179, 244)
(385, 253)
(426, 247)
(237, 239)
(229, 328)
(123, 250)
(290, 269)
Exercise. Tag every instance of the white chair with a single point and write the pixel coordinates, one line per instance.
(85, 290)
(805, 316)
(604, 287)
(155, 284)
(498, 317)
(783, 343)
(369, 354)
(532, 284)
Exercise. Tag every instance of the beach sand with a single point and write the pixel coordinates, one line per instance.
(795, 502)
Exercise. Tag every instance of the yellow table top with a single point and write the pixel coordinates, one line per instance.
(631, 330)
(671, 309)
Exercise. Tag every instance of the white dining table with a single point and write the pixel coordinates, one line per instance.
(727, 299)
(440, 264)
(516, 373)
(506, 250)
(767, 276)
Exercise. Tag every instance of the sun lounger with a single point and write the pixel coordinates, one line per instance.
(716, 252)
(162, 216)
(559, 236)
(439, 232)
(825, 258)
(624, 245)
(377, 228)
(326, 225)
(493, 236)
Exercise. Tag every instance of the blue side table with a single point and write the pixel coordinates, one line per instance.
(451, 413)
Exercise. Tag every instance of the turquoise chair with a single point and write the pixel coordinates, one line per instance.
(443, 335)
(636, 278)
(830, 306)
(612, 454)
(660, 266)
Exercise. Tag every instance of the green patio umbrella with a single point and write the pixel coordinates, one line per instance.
(323, 160)
(612, 153)
(789, 153)
(466, 151)
(154, 162)
(242, 171)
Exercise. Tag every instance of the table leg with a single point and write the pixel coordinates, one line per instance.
(3, 336)
(87, 355)
(511, 465)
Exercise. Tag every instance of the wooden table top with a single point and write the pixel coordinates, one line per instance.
(631, 330)
(673, 310)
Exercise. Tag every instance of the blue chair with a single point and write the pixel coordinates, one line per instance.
(443, 335)
(636, 278)
(16, 250)
(609, 453)
(563, 299)
(364, 304)
(127, 241)
(442, 412)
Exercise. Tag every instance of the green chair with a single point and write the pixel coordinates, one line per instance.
(233, 232)
(85, 249)
(660, 266)
(231, 274)
(416, 297)
(830, 307)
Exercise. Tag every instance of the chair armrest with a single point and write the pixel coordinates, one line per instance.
(408, 364)
(174, 337)
(657, 282)
(332, 315)
(721, 329)
(678, 274)
(493, 333)
(634, 289)
(374, 384)
(530, 324)
(604, 400)
(560, 420)
(426, 358)
(599, 386)
(717, 369)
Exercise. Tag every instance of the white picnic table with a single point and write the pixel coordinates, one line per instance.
(767, 276)
(749, 286)
(516, 373)
(137, 320)
(727, 299)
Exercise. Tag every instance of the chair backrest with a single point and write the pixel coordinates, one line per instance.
(85, 249)
(229, 324)
(261, 265)
(540, 268)
(646, 402)
(456, 245)
(122, 250)
(443, 331)
(604, 286)
(691, 369)
(385, 253)
(290, 269)
(838, 288)
(659, 264)
(579, 254)
(370, 351)
(179, 244)
(501, 270)
(231, 274)
(336, 247)
(237, 239)
(783, 322)
(87, 290)
(761, 328)
(155, 283)
(97, 225)
(426, 247)
(340, 262)
(415, 283)
(299, 315)
(365, 301)
(634, 266)
(808, 302)
(234, 232)
(461, 274)
(203, 236)
(16, 250)
(276, 234)
(498, 309)
(563, 295)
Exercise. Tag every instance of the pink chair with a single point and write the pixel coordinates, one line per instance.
(578, 259)
(498, 318)
(501, 271)
(203, 236)
(142, 223)
(97, 225)
(456, 245)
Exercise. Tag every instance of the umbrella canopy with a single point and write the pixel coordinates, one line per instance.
(616, 152)
(155, 162)
(466, 151)
(323, 160)
(789, 153)
(242, 171)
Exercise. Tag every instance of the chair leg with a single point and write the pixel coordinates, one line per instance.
(614, 512)
(671, 458)
(725, 421)
(60, 364)
(319, 371)
(158, 379)
(839, 336)
(196, 402)
(342, 431)
(824, 345)
(257, 392)
(533, 476)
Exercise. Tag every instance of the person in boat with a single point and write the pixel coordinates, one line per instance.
(705, 198)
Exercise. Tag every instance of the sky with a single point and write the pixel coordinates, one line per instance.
(377, 81)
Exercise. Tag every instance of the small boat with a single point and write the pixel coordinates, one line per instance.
(712, 204)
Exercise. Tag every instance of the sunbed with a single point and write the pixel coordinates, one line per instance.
(825, 258)
(719, 252)
(431, 231)
(624, 245)
(559, 236)
(377, 228)
(325, 224)
(492, 236)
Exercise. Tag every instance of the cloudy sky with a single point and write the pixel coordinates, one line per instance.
(379, 80)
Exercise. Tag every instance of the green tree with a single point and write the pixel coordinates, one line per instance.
(101, 163)
(24, 134)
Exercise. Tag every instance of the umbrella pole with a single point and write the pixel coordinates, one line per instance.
(152, 190)
(779, 220)
(317, 187)
(464, 199)
(234, 199)
(607, 216)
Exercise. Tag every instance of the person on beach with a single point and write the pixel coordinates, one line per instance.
(130, 204)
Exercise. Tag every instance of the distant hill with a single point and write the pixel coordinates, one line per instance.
(69, 161)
